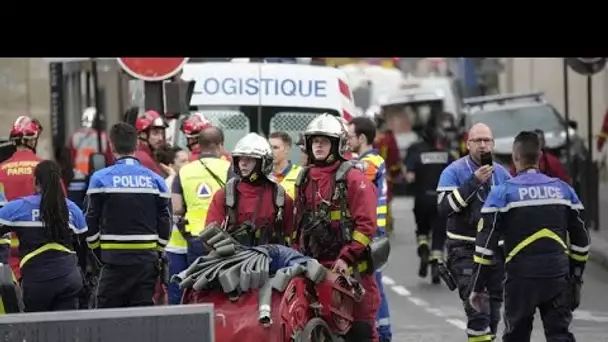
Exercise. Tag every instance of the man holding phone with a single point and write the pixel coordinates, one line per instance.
(462, 190)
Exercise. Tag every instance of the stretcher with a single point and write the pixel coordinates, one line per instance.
(269, 293)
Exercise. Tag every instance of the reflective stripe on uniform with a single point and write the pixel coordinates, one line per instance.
(532, 203)
(147, 191)
(543, 233)
(53, 246)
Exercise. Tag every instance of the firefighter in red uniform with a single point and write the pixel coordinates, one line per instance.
(191, 127)
(386, 145)
(336, 216)
(151, 131)
(17, 178)
(254, 209)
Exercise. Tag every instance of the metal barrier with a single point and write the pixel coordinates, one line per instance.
(187, 323)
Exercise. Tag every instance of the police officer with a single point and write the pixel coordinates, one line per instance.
(425, 161)
(17, 178)
(546, 243)
(253, 208)
(336, 216)
(192, 191)
(284, 171)
(44, 223)
(129, 221)
(361, 134)
(462, 189)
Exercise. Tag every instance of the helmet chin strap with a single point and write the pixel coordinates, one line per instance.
(256, 176)
(331, 158)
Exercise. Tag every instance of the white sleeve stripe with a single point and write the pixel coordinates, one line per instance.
(453, 205)
(93, 238)
(484, 251)
(446, 188)
(579, 249)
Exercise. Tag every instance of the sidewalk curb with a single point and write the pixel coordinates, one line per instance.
(598, 252)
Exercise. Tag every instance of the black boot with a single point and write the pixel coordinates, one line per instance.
(435, 279)
(423, 253)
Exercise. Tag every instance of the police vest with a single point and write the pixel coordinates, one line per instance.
(231, 204)
(289, 182)
(200, 180)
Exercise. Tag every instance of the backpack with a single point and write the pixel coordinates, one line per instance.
(339, 195)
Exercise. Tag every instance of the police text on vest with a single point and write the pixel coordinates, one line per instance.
(132, 182)
(540, 192)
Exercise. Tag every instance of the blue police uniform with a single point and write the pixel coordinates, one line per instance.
(51, 280)
(546, 245)
(129, 219)
(460, 197)
(376, 164)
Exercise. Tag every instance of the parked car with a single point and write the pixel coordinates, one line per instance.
(509, 114)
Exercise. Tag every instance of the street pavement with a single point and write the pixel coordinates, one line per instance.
(423, 312)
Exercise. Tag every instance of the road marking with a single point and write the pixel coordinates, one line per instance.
(387, 281)
(418, 301)
(436, 312)
(400, 290)
(457, 323)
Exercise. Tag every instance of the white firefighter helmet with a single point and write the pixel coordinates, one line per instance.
(330, 126)
(88, 117)
(254, 145)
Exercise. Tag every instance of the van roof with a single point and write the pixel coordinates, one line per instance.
(269, 84)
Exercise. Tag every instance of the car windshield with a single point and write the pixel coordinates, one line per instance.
(509, 122)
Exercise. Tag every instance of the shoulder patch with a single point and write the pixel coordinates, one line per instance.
(204, 190)
(230, 193)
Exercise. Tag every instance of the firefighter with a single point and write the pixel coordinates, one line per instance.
(462, 189)
(151, 133)
(424, 163)
(336, 216)
(17, 179)
(284, 171)
(192, 191)
(361, 134)
(44, 223)
(129, 220)
(386, 144)
(253, 209)
(84, 142)
(541, 220)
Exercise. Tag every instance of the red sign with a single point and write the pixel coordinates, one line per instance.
(152, 69)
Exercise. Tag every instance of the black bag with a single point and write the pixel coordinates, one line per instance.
(10, 293)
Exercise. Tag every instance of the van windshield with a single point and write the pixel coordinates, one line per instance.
(507, 123)
(413, 113)
(237, 121)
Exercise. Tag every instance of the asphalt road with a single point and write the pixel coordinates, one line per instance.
(423, 312)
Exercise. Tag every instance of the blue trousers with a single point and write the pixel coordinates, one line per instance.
(177, 263)
(383, 318)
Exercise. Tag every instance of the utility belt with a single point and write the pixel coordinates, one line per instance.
(53, 246)
(248, 235)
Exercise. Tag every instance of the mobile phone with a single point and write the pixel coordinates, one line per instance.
(486, 158)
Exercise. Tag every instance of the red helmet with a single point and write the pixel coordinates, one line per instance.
(149, 120)
(25, 128)
(193, 125)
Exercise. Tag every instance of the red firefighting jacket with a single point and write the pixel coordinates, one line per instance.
(361, 203)
(146, 158)
(387, 147)
(248, 197)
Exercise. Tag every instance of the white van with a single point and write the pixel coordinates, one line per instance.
(264, 97)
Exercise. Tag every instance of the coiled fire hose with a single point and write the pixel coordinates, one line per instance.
(237, 269)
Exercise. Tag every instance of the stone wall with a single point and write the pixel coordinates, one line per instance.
(24, 90)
